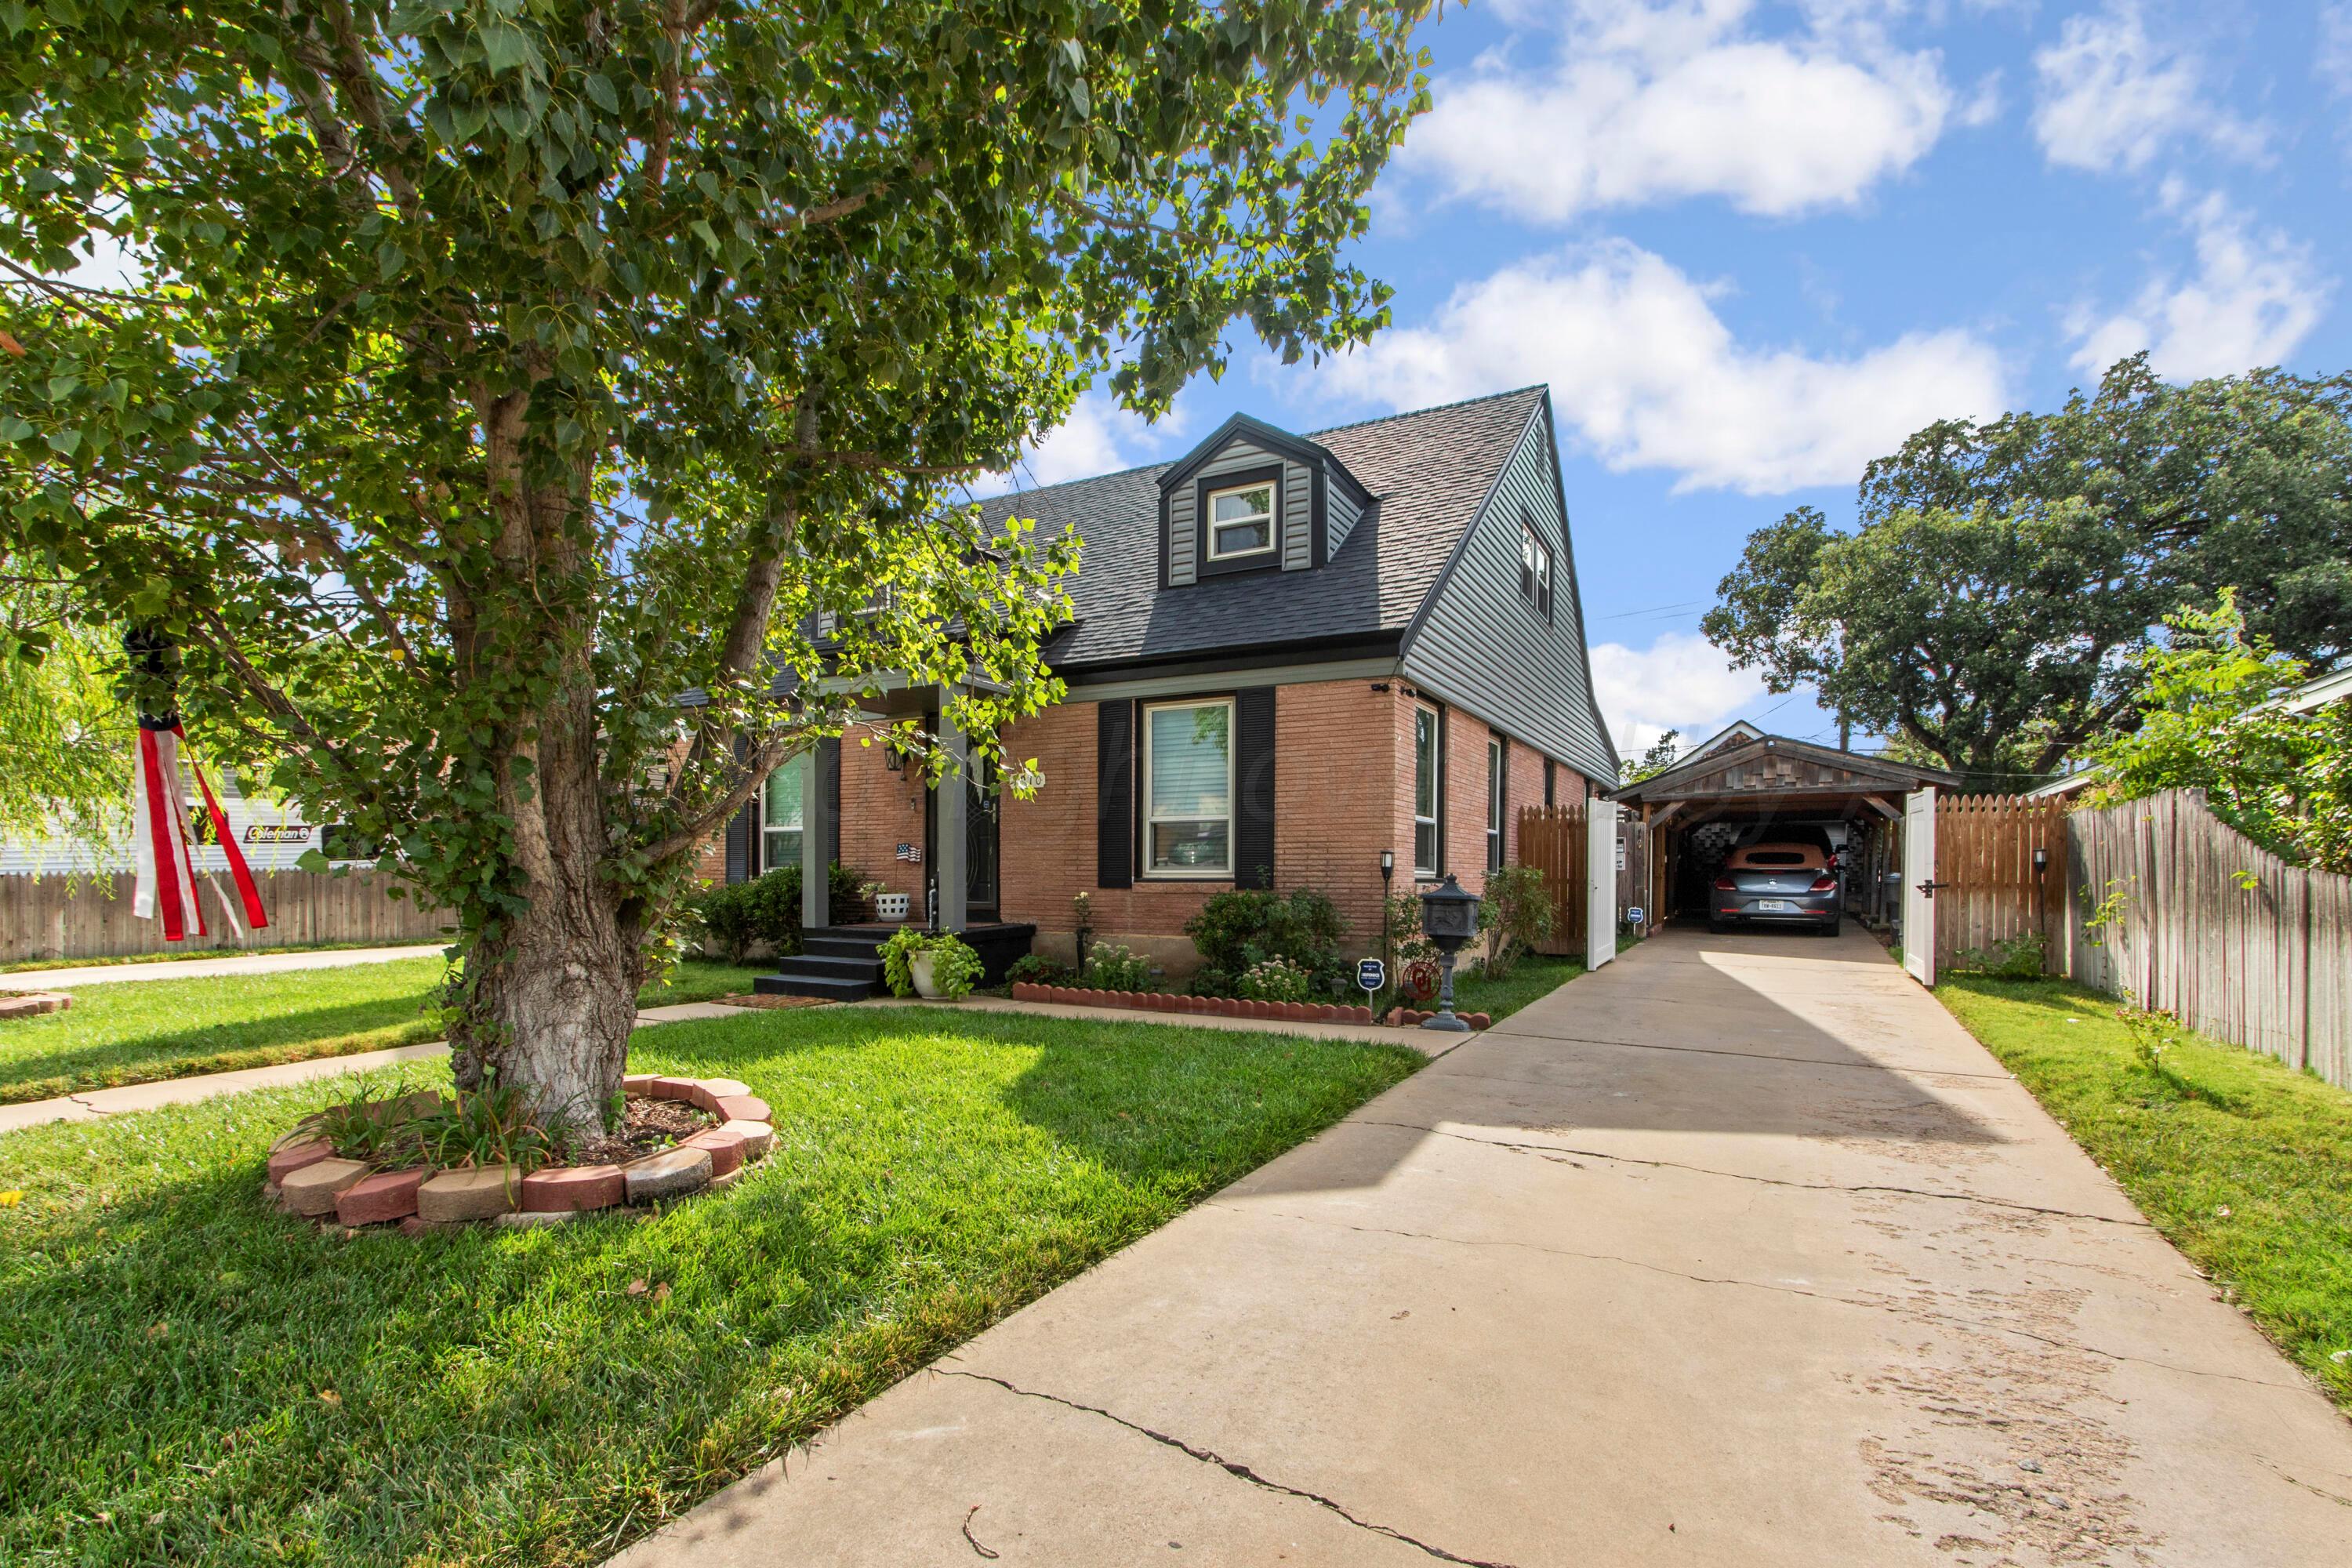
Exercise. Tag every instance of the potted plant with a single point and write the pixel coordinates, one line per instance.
(935, 966)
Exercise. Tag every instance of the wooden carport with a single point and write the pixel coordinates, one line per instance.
(1744, 778)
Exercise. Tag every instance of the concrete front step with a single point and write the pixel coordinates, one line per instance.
(832, 988)
(868, 968)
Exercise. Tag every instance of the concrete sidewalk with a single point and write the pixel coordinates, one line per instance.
(92, 1103)
(1739, 1251)
(205, 968)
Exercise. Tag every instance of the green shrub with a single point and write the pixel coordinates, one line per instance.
(1110, 967)
(955, 967)
(739, 916)
(1037, 969)
(2019, 957)
(1277, 980)
(1515, 914)
(1238, 930)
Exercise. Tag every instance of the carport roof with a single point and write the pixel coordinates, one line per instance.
(1778, 774)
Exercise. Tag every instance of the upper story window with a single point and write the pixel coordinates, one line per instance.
(1241, 522)
(1424, 792)
(1188, 788)
(1535, 568)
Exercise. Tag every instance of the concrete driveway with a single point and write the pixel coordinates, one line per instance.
(1739, 1251)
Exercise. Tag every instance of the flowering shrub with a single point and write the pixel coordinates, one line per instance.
(1111, 967)
(1276, 980)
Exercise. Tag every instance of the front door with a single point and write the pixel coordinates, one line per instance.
(981, 848)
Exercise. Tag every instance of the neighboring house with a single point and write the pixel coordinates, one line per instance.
(272, 834)
(1289, 655)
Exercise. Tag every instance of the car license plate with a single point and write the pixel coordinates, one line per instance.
(1775, 906)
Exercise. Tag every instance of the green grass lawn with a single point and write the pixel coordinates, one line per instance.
(1533, 976)
(186, 1376)
(136, 1031)
(2243, 1163)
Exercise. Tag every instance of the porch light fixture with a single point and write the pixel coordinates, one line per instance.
(1388, 864)
(1449, 917)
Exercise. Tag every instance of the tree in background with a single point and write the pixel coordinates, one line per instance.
(507, 368)
(2210, 720)
(1661, 755)
(67, 734)
(2004, 577)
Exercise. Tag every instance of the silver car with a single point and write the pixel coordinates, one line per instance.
(1778, 883)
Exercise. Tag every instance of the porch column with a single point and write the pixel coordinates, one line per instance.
(949, 860)
(816, 832)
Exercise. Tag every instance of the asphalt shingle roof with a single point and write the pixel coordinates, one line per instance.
(1428, 471)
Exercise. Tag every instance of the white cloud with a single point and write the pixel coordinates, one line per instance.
(1682, 681)
(1652, 102)
(1098, 438)
(1645, 373)
(2253, 298)
(2112, 98)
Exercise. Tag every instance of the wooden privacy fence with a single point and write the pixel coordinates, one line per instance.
(1992, 892)
(50, 917)
(2179, 912)
(1554, 840)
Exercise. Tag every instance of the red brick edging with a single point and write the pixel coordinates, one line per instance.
(1220, 1006)
(306, 1177)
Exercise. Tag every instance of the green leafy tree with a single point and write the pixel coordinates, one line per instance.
(67, 737)
(1663, 753)
(2003, 576)
(506, 369)
(2210, 720)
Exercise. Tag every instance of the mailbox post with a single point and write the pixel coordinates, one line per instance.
(1449, 917)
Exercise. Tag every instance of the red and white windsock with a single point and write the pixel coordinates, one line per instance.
(159, 816)
(159, 833)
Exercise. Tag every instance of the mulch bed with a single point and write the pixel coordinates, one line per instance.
(648, 1126)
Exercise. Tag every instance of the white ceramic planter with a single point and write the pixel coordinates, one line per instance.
(919, 968)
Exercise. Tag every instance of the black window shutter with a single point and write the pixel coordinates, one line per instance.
(1115, 795)
(741, 831)
(1254, 778)
(828, 785)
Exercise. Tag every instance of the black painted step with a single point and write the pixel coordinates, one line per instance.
(825, 945)
(832, 988)
(867, 968)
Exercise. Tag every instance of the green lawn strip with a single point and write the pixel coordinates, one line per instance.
(1535, 975)
(186, 1375)
(36, 966)
(2242, 1163)
(124, 1032)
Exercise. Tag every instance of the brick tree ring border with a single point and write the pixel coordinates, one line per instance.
(32, 1004)
(307, 1178)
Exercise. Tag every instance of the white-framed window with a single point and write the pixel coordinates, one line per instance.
(780, 817)
(1424, 792)
(1496, 803)
(1535, 567)
(1188, 788)
(1241, 521)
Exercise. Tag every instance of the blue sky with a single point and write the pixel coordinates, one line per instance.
(1752, 246)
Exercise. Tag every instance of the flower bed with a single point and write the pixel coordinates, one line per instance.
(681, 1136)
(1220, 1006)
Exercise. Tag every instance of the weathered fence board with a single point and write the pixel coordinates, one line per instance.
(51, 917)
(1554, 839)
(1984, 856)
(2172, 907)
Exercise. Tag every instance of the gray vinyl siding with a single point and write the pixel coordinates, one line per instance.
(1340, 514)
(1485, 648)
(1297, 508)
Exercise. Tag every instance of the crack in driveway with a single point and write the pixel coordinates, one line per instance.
(1559, 1153)
(1231, 1467)
(1899, 1308)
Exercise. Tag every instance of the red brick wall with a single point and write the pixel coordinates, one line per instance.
(1333, 790)
(1465, 807)
(879, 811)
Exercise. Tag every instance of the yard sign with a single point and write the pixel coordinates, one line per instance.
(1918, 879)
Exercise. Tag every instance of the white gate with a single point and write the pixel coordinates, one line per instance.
(1600, 884)
(1918, 885)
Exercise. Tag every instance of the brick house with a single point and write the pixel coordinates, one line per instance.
(1290, 654)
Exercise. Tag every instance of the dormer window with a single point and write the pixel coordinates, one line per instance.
(1241, 522)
